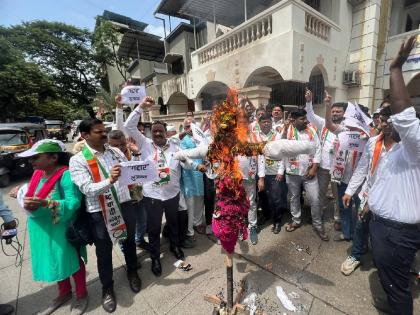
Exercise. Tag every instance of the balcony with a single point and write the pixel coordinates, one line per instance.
(287, 15)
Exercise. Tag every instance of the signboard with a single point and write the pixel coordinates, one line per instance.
(351, 141)
(135, 172)
(355, 117)
(133, 94)
(412, 63)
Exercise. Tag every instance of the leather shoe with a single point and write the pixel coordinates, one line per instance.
(6, 309)
(156, 267)
(109, 303)
(134, 281)
(178, 253)
(276, 228)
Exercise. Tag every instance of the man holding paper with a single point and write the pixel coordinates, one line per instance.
(163, 194)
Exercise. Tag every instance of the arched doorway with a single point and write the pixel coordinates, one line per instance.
(317, 84)
(413, 88)
(213, 93)
(177, 103)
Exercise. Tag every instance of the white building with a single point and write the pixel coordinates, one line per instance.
(270, 50)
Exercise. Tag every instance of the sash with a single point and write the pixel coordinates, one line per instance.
(47, 187)
(292, 166)
(111, 209)
(376, 154)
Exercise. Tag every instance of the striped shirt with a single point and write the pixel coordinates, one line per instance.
(82, 177)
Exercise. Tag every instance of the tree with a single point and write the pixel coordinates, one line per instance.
(106, 40)
(63, 52)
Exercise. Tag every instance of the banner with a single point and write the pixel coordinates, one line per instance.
(135, 172)
(355, 117)
(133, 94)
(351, 141)
(198, 134)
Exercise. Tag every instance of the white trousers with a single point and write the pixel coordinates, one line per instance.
(250, 187)
(195, 207)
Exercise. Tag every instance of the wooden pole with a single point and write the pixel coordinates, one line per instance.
(229, 274)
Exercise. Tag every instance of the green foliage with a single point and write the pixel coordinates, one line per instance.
(106, 40)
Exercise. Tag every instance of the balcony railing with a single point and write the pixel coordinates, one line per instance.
(316, 26)
(238, 38)
(262, 26)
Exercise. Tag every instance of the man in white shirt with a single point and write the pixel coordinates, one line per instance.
(302, 169)
(162, 195)
(95, 170)
(394, 198)
(328, 140)
(277, 114)
(365, 174)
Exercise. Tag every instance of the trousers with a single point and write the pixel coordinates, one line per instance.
(103, 243)
(394, 246)
(154, 209)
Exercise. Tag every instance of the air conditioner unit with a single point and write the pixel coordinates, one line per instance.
(351, 78)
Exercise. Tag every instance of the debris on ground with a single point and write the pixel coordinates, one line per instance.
(301, 248)
(284, 299)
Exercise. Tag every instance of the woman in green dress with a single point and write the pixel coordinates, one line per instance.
(51, 201)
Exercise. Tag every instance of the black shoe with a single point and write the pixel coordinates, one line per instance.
(144, 245)
(109, 303)
(276, 228)
(178, 253)
(6, 309)
(134, 281)
(156, 267)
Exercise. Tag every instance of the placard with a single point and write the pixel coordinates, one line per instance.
(355, 117)
(351, 141)
(133, 94)
(136, 172)
(198, 134)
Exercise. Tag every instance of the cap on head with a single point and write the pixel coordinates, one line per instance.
(44, 146)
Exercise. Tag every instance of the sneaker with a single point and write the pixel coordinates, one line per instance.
(253, 235)
(349, 265)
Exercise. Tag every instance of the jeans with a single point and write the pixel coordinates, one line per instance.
(5, 213)
(276, 194)
(103, 243)
(360, 237)
(141, 222)
(346, 214)
(312, 191)
(155, 209)
(394, 246)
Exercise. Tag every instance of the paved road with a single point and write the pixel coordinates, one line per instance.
(311, 278)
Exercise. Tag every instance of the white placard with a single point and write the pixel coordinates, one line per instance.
(355, 117)
(136, 172)
(133, 94)
(412, 63)
(20, 197)
(351, 141)
(198, 134)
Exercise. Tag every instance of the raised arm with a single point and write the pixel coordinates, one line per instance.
(313, 118)
(328, 118)
(119, 115)
(400, 99)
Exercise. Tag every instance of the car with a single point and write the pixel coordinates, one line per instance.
(56, 130)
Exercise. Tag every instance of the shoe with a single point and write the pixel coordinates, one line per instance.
(209, 230)
(276, 228)
(322, 235)
(178, 253)
(143, 245)
(156, 267)
(349, 265)
(189, 242)
(56, 303)
(6, 309)
(134, 281)
(337, 226)
(382, 304)
(339, 237)
(109, 303)
(253, 235)
(79, 306)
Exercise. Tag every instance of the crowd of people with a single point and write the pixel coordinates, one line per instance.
(374, 192)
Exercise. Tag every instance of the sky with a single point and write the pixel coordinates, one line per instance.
(81, 13)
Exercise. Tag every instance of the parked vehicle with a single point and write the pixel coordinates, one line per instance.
(56, 130)
(13, 140)
(35, 119)
(36, 131)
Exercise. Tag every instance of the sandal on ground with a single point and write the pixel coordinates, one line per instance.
(293, 226)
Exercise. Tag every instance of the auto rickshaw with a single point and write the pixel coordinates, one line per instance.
(13, 140)
(56, 130)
